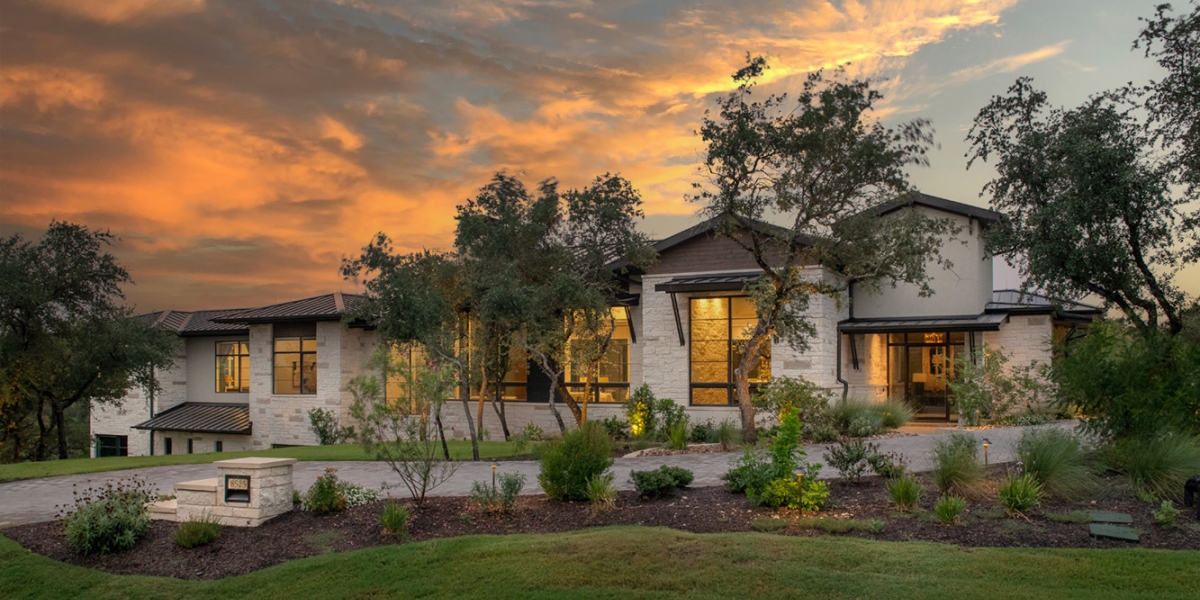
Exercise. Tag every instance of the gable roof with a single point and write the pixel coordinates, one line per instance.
(705, 228)
(985, 216)
(326, 307)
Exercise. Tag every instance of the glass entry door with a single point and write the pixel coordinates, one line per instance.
(919, 366)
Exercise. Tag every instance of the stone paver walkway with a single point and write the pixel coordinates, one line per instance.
(35, 500)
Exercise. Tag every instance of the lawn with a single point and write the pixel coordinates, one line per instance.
(636, 562)
(459, 449)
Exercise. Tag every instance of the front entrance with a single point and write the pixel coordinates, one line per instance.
(919, 365)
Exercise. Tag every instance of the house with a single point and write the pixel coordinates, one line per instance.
(247, 378)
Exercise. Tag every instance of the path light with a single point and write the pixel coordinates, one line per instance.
(800, 487)
(986, 443)
(493, 477)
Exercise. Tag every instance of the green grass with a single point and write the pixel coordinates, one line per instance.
(631, 562)
(459, 449)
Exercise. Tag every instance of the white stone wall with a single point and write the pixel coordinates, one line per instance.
(283, 418)
(870, 379)
(202, 443)
(1024, 339)
(134, 408)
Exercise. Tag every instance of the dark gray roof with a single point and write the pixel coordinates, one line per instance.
(709, 283)
(198, 322)
(984, 322)
(706, 228)
(326, 307)
(1016, 301)
(918, 199)
(201, 417)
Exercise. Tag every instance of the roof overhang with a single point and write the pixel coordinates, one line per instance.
(984, 322)
(719, 282)
(201, 417)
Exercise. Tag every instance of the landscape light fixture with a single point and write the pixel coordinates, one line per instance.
(986, 443)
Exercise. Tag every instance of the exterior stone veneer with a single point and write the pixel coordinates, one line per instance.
(270, 493)
(134, 408)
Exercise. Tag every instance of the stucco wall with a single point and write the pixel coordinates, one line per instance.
(202, 370)
(964, 289)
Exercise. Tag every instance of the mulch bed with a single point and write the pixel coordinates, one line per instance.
(699, 510)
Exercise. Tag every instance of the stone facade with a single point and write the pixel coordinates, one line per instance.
(1024, 339)
(118, 419)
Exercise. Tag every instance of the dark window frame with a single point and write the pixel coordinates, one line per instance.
(218, 446)
(945, 344)
(299, 354)
(167, 445)
(241, 357)
(730, 386)
(118, 444)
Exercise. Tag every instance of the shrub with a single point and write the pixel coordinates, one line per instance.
(948, 509)
(888, 466)
(787, 394)
(956, 464)
(822, 432)
(601, 493)
(108, 519)
(787, 493)
(324, 424)
(395, 519)
(197, 532)
(816, 495)
(677, 434)
(650, 417)
(751, 471)
(729, 434)
(1159, 465)
(703, 433)
(325, 495)
(357, 495)
(569, 462)
(986, 389)
(502, 498)
(850, 458)
(905, 492)
(662, 481)
(1020, 491)
(1129, 384)
(614, 427)
(893, 413)
(785, 450)
(1166, 515)
(1055, 458)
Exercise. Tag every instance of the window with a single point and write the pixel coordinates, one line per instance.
(112, 445)
(919, 365)
(295, 361)
(720, 328)
(610, 382)
(189, 445)
(233, 367)
(166, 445)
(218, 446)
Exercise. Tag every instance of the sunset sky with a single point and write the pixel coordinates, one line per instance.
(241, 148)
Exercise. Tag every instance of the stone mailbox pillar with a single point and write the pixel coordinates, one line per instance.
(252, 490)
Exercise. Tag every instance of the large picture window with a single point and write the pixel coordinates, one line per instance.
(112, 445)
(233, 367)
(919, 367)
(720, 328)
(295, 363)
(610, 381)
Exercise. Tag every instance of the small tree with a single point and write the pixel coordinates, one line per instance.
(403, 432)
(986, 388)
(819, 164)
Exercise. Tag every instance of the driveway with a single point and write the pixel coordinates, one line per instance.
(35, 500)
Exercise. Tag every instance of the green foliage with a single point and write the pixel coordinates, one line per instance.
(786, 394)
(1157, 466)
(859, 417)
(67, 339)
(602, 493)
(729, 435)
(677, 435)
(779, 493)
(1055, 458)
(569, 462)
(752, 470)
(197, 532)
(889, 465)
(532, 434)
(829, 525)
(1020, 491)
(404, 434)
(949, 508)
(850, 458)
(395, 519)
(785, 449)
(815, 496)
(325, 496)
(501, 498)
(905, 492)
(703, 433)
(681, 476)
(108, 519)
(324, 424)
(1131, 384)
(660, 482)
(653, 418)
(615, 428)
(957, 468)
(768, 524)
(986, 389)
(1166, 514)
(893, 413)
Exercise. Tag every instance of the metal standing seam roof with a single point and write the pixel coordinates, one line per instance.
(198, 322)
(202, 417)
(1018, 301)
(326, 307)
(984, 322)
(709, 283)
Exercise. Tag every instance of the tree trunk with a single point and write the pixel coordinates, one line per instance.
(463, 382)
(39, 448)
(498, 406)
(483, 388)
(741, 380)
(562, 427)
(60, 422)
(437, 419)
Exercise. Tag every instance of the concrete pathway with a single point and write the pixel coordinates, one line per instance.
(35, 500)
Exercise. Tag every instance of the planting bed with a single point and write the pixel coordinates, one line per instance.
(700, 510)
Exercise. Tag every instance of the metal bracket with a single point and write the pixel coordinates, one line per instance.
(678, 323)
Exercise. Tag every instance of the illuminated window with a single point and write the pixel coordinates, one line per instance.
(720, 328)
(610, 381)
(295, 363)
(233, 367)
